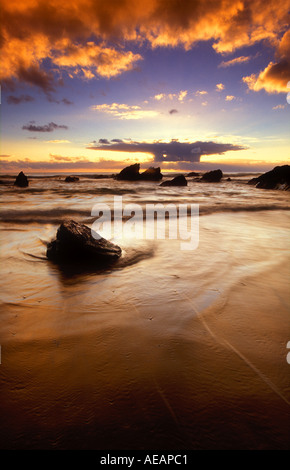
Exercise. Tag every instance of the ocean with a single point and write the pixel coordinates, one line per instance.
(169, 348)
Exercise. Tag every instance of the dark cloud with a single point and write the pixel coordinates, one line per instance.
(104, 141)
(173, 111)
(63, 101)
(34, 76)
(11, 99)
(66, 101)
(173, 151)
(31, 127)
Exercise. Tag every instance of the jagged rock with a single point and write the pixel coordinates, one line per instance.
(21, 180)
(278, 178)
(152, 174)
(71, 179)
(130, 173)
(74, 243)
(213, 176)
(177, 181)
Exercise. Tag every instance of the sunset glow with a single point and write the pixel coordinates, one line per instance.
(88, 86)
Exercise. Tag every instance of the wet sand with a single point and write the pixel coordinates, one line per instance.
(171, 351)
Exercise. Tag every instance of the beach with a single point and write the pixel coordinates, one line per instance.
(168, 349)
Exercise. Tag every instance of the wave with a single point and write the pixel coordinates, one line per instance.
(206, 210)
(57, 215)
(72, 191)
(54, 215)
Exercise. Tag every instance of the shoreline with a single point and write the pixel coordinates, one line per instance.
(171, 352)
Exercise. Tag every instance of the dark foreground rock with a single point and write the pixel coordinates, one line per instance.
(71, 179)
(278, 178)
(74, 243)
(213, 176)
(132, 173)
(21, 180)
(177, 181)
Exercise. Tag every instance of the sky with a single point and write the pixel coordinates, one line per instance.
(94, 85)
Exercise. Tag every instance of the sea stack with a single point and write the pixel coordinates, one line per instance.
(75, 243)
(151, 174)
(130, 173)
(21, 180)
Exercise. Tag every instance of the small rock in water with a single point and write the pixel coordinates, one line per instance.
(21, 180)
(71, 179)
(74, 243)
(177, 181)
(213, 176)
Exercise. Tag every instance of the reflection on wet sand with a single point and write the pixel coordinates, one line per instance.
(167, 350)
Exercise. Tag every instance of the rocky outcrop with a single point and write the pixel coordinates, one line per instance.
(21, 180)
(151, 174)
(132, 173)
(71, 179)
(177, 181)
(75, 243)
(213, 176)
(192, 173)
(278, 178)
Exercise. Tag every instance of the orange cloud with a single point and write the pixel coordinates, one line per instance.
(200, 92)
(180, 96)
(275, 76)
(238, 60)
(95, 60)
(219, 87)
(75, 34)
(125, 111)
